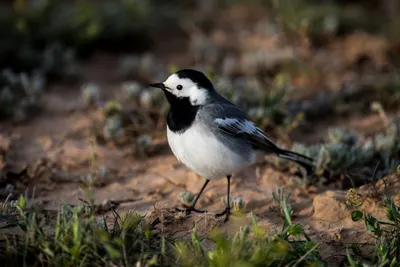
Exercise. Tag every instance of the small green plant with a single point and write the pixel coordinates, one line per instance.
(238, 204)
(358, 157)
(91, 94)
(251, 246)
(77, 237)
(20, 94)
(186, 198)
(387, 236)
(354, 199)
(281, 202)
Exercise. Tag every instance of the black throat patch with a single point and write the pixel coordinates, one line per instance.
(181, 114)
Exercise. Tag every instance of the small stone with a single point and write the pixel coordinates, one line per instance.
(330, 206)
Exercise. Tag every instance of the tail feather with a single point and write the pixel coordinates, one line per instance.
(292, 153)
(304, 161)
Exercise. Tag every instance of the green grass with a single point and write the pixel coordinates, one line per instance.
(345, 152)
(387, 238)
(77, 237)
(81, 24)
(252, 246)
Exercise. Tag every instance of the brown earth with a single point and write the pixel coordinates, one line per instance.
(55, 151)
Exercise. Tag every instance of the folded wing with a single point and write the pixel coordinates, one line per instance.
(247, 130)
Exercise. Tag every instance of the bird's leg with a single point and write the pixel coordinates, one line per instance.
(227, 210)
(191, 208)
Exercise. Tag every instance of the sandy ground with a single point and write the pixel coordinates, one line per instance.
(52, 153)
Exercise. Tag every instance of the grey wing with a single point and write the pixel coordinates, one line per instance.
(230, 120)
(248, 131)
(227, 119)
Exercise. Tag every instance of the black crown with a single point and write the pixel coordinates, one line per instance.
(197, 77)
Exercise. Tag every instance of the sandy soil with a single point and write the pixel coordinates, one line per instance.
(52, 153)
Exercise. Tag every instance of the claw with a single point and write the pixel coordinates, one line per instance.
(189, 210)
(226, 212)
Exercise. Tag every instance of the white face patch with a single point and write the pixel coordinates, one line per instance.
(197, 96)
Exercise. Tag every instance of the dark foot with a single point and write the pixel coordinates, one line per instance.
(189, 210)
(227, 212)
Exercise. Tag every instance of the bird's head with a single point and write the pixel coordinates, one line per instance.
(187, 84)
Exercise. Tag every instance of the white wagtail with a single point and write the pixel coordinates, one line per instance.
(212, 136)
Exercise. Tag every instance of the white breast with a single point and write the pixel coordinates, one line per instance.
(203, 153)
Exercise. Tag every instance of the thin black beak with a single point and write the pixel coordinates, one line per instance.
(158, 85)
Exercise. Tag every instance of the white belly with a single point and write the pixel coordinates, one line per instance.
(201, 152)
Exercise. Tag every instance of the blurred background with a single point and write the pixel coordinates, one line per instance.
(319, 76)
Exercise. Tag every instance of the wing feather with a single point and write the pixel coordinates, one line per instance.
(231, 120)
(247, 130)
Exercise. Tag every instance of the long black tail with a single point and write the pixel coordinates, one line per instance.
(304, 161)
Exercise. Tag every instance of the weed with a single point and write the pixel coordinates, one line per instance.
(20, 94)
(250, 246)
(350, 154)
(281, 202)
(76, 237)
(354, 199)
(387, 237)
(186, 198)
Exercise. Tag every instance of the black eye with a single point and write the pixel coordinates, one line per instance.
(179, 87)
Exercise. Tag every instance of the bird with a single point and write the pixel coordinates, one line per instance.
(212, 136)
